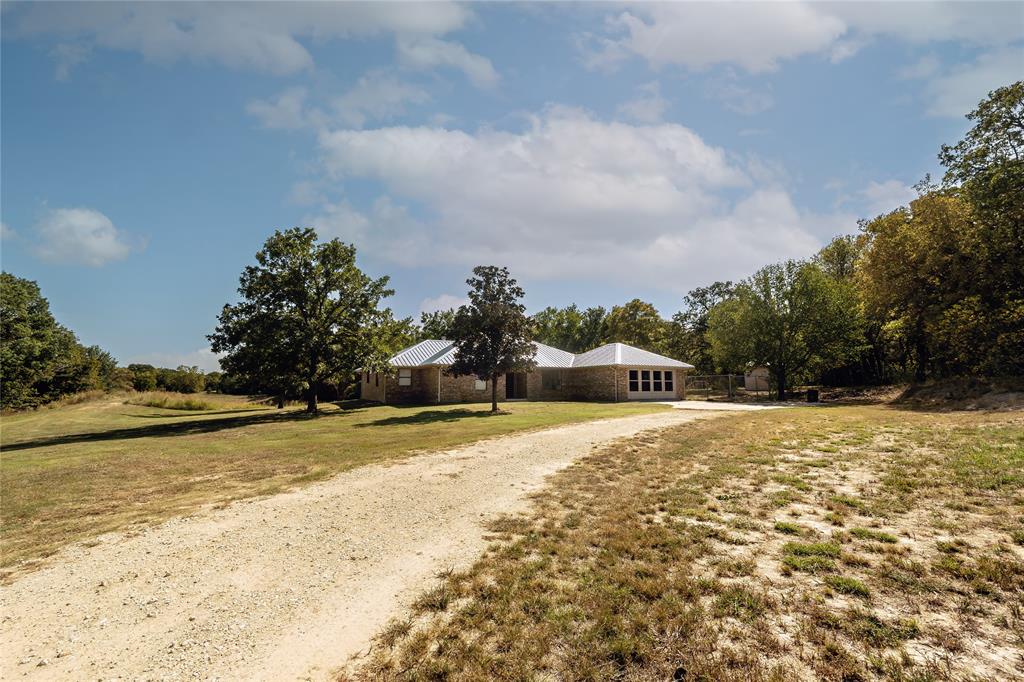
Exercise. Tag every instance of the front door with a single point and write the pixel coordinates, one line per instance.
(515, 386)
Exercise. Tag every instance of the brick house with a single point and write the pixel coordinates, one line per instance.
(612, 372)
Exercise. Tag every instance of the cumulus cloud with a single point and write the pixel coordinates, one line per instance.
(442, 302)
(263, 36)
(82, 236)
(757, 36)
(429, 53)
(377, 95)
(956, 91)
(570, 196)
(648, 107)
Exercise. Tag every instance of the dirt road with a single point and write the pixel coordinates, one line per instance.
(286, 587)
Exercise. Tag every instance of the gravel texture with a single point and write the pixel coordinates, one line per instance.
(285, 587)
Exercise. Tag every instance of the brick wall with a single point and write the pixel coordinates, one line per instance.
(535, 385)
(591, 383)
(463, 390)
(374, 390)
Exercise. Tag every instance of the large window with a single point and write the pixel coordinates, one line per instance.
(651, 381)
(405, 377)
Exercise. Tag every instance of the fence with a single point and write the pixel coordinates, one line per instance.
(721, 387)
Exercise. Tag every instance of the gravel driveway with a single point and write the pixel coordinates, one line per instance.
(285, 587)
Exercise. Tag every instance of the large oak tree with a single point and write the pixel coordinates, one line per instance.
(308, 316)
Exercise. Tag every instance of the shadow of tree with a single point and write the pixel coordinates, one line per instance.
(196, 426)
(429, 417)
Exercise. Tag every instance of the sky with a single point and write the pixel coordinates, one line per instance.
(602, 152)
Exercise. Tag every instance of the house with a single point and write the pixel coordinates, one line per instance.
(612, 372)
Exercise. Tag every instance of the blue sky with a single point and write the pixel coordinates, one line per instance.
(601, 151)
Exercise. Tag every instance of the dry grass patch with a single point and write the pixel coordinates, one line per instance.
(673, 558)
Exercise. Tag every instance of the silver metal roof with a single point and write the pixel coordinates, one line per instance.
(439, 352)
(624, 354)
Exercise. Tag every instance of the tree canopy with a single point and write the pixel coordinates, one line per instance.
(790, 317)
(492, 334)
(41, 360)
(308, 316)
(570, 328)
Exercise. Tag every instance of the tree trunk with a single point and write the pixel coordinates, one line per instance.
(311, 405)
(780, 379)
(280, 402)
(494, 393)
(922, 358)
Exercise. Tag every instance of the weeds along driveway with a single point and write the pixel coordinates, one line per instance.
(280, 587)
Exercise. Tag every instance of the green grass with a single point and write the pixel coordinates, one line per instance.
(77, 471)
(845, 585)
(788, 528)
(876, 535)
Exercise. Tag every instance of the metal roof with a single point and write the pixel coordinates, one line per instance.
(439, 352)
(624, 354)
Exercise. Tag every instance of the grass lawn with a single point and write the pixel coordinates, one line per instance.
(80, 470)
(836, 543)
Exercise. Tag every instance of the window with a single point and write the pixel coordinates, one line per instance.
(551, 380)
(657, 380)
(634, 381)
(480, 385)
(668, 380)
(645, 380)
(405, 377)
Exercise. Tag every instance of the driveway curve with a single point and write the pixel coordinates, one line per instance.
(284, 587)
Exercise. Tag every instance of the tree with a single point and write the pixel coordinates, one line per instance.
(570, 328)
(791, 317)
(143, 377)
(687, 338)
(637, 323)
(436, 325)
(987, 167)
(41, 360)
(308, 317)
(492, 334)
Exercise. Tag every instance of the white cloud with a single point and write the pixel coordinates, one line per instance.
(883, 197)
(377, 95)
(203, 358)
(7, 232)
(284, 112)
(568, 197)
(80, 235)
(742, 100)
(926, 66)
(957, 91)
(754, 36)
(429, 53)
(758, 36)
(648, 107)
(263, 36)
(442, 302)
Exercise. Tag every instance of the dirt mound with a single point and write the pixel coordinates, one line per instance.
(973, 393)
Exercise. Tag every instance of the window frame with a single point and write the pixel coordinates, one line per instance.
(669, 380)
(480, 385)
(634, 381)
(406, 379)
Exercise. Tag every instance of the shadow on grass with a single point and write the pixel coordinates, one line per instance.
(196, 426)
(430, 417)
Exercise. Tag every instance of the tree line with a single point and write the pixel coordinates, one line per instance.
(932, 289)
